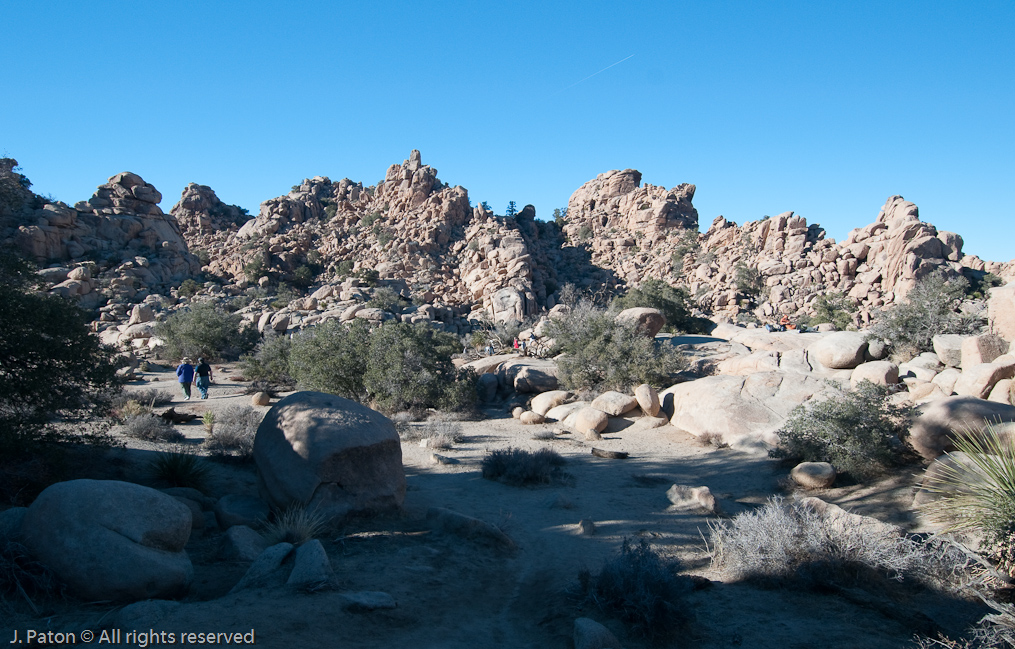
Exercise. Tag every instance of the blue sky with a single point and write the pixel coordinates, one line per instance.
(822, 108)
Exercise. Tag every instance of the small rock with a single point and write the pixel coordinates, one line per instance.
(813, 475)
(267, 569)
(685, 498)
(517, 412)
(241, 543)
(468, 527)
(260, 399)
(585, 527)
(648, 399)
(311, 565)
(590, 422)
(443, 459)
(589, 634)
(529, 418)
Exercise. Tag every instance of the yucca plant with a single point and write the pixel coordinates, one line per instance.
(294, 525)
(208, 419)
(977, 492)
(180, 469)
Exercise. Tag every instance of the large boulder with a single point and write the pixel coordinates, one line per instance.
(932, 433)
(1001, 311)
(614, 403)
(543, 403)
(982, 349)
(528, 375)
(978, 380)
(330, 454)
(648, 399)
(841, 350)
(948, 348)
(111, 540)
(746, 411)
(879, 372)
(647, 320)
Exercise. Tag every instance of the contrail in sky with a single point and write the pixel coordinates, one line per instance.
(593, 74)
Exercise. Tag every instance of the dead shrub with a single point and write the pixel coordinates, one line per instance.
(23, 577)
(234, 431)
(440, 434)
(150, 428)
(295, 525)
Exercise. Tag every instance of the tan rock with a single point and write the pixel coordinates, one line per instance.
(932, 433)
(528, 417)
(590, 422)
(982, 349)
(978, 380)
(649, 321)
(546, 401)
(813, 475)
(1001, 311)
(260, 399)
(614, 403)
(879, 372)
(648, 399)
(683, 498)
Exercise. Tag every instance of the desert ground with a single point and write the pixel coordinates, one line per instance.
(456, 592)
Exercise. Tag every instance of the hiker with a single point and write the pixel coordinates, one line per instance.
(516, 344)
(489, 349)
(525, 348)
(204, 377)
(785, 323)
(185, 375)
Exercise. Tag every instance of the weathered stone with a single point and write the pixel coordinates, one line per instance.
(590, 422)
(543, 403)
(267, 569)
(240, 509)
(948, 348)
(839, 350)
(529, 418)
(331, 454)
(648, 399)
(813, 475)
(310, 565)
(240, 543)
(647, 320)
(982, 349)
(111, 540)
(614, 403)
(683, 498)
(260, 399)
(978, 380)
(933, 432)
(879, 372)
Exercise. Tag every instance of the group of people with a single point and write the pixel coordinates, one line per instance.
(201, 376)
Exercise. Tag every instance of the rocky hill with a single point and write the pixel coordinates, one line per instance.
(454, 264)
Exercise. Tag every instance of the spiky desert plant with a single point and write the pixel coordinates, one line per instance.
(180, 469)
(977, 492)
(294, 525)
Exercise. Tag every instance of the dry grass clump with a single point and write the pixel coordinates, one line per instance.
(150, 428)
(785, 542)
(21, 576)
(180, 469)
(295, 525)
(712, 439)
(439, 432)
(138, 402)
(524, 468)
(232, 432)
(642, 588)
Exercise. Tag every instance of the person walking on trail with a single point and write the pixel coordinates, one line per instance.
(185, 375)
(204, 377)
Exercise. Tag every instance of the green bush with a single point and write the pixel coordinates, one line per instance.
(205, 330)
(835, 308)
(642, 588)
(603, 354)
(332, 358)
(858, 432)
(368, 276)
(51, 363)
(345, 268)
(409, 366)
(932, 308)
(748, 280)
(669, 300)
(387, 299)
(270, 361)
(189, 288)
(524, 468)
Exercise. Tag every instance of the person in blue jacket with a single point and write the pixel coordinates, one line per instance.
(185, 375)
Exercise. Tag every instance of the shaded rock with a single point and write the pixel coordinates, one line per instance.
(614, 403)
(267, 569)
(585, 528)
(310, 565)
(487, 388)
(589, 634)
(932, 433)
(111, 540)
(240, 509)
(241, 543)
(330, 454)
(813, 475)
(944, 469)
(144, 614)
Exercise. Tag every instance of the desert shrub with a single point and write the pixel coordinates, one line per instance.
(782, 542)
(344, 268)
(524, 468)
(387, 299)
(150, 428)
(136, 402)
(52, 364)
(931, 308)
(131, 408)
(410, 366)
(440, 433)
(747, 279)
(295, 525)
(233, 432)
(642, 588)
(269, 361)
(332, 358)
(304, 276)
(656, 294)
(584, 232)
(858, 432)
(602, 354)
(980, 282)
(205, 330)
(979, 497)
(180, 469)
(368, 276)
(836, 308)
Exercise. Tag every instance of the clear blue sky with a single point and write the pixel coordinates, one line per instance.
(818, 107)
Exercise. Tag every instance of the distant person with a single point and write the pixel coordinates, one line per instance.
(185, 375)
(204, 377)
(525, 348)
(784, 323)
(489, 349)
(516, 345)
